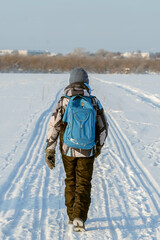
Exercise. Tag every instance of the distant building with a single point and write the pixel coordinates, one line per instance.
(27, 52)
(145, 55)
(3, 52)
(136, 55)
(37, 52)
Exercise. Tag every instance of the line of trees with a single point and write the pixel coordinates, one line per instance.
(101, 62)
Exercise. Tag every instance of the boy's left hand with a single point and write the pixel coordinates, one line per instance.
(50, 158)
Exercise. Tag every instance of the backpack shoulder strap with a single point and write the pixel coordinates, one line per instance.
(64, 119)
(65, 96)
(93, 99)
(91, 96)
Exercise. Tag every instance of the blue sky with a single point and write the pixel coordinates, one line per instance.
(62, 25)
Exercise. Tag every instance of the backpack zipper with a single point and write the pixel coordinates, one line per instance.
(81, 126)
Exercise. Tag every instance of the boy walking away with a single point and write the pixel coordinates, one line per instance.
(80, 122)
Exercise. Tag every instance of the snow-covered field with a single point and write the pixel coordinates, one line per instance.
(126, 180)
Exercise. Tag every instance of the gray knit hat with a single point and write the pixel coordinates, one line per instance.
(78, 75)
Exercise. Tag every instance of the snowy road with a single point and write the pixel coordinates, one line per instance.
(125, 194)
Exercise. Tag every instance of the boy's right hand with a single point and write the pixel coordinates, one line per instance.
(98, 151)
(50, 158)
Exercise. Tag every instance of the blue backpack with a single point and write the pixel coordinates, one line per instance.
(81, 119)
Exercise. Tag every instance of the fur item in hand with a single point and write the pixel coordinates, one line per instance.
(98, 151)
(50, 158)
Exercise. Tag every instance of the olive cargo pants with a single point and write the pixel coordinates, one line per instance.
(78, 185)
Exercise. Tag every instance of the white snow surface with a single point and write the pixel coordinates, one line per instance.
(126, 180)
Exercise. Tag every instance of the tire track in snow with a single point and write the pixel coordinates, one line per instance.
(107, 208)
(101, 203)
(126, 190)
(23, 177)
(120, 196)
(141, 183)
(137, 177)
(147, 97)
(110, 196)
(32, 144)
(138, 168)
(151, 99)
(125, 200)
(8, 158)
